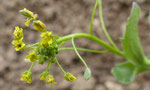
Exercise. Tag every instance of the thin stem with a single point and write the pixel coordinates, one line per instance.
(55, 36)
(92, 18)
(31, 66)
(32, 46)
(103, 25)
(83, 49)
(60, 66)
(48, 66)
(82, 60)
(94, 39)
(62, 44)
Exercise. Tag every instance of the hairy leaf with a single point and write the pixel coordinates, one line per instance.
(130, 41)
(125, 72)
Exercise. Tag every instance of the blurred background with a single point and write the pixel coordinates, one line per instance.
(64, 17)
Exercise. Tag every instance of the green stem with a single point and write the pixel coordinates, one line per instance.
(32, 46)
(60, 66)
(83, 49)
(48, 66)
(31, 66)
(62, 44)
(82, 60)
(103, 25)
(94, 39)
(92, 18)
(55, 36)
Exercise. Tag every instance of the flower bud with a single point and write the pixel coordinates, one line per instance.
(43, 76)
(19, 45)
(18, 33)
(27, 77)
(87, 74)
(26, 13)
(52, 59)
(68, 76)
(49, 78)
(39, 25)
(32, 56)
(42, 59)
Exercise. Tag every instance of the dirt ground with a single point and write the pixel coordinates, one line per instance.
(64, 17)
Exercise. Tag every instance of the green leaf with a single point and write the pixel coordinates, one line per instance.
(125, 72)
(131, 43)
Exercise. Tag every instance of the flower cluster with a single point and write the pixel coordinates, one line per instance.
(42, 52)
(68, 76)
(18, 34)
(47, 77)
(26, 77)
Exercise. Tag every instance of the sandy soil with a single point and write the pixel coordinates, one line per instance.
(63, 17)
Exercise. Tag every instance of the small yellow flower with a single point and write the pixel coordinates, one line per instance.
(29, 15)
(18, 33)
(39, 25)
(47, 39)
(18, 44)
(50, 79)
(26, 77)
(46, 42)
(69, 77)
(28, 20)
(32, 56)
(43, 75)
(46, 34)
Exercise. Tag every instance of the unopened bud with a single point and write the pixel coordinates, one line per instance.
(39, 25)
(68, 76)
(26, 13)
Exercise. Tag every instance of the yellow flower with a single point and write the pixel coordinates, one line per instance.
(18, 44)
(47, 39)
(32, 56)
(43, 76)
(46, 34)
(26, 77)
(46, 42)
(69, 77)
(18, 33)
(50, 79)
(29, 15)
(39, 25)
(28, 20)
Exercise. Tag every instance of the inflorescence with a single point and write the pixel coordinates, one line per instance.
(41, 52)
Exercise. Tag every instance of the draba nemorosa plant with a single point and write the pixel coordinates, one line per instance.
(47, 49)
